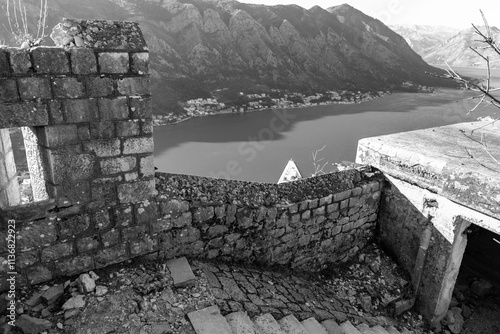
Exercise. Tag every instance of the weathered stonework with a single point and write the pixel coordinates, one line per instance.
(435, 188)
(89, 106)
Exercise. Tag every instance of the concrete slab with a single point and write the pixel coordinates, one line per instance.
(379, 329)
(447, 160)
(365, 329)
(392, 330)
(240, 323)
(181, 272)
(209, 321)
(290, 325)
(349, 328)
(268, 325)
(313, 326)
(331, 326)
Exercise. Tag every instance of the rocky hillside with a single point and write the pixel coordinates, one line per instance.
(455, 51)
(422, 37)
(199, 46)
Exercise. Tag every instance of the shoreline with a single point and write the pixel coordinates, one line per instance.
(160, 122)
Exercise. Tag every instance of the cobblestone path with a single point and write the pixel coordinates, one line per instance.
(257, 291)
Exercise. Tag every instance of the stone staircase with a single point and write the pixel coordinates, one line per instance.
(210, 321)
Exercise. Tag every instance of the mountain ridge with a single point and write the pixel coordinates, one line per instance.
(199, 46)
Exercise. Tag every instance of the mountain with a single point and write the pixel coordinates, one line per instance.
(456, 52)
(201, 46)
(423, 37)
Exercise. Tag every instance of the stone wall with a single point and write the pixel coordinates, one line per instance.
(88, 109)
(87, 112)
(306, 224)
(435, 192)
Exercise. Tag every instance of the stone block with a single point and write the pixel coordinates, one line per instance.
(136, 191)
(348, 328)
(356, 191)
(141, 107)
(57, 135)
(342, 195)
(73, 226)
(83, 131)
(31, 325)
(174, 208)
(57, 251)
(146, 212)
(81, 110)
(133, 86)
(313, 326)
(181, 272)
(107, 256)
(52, 295)
(481, 287)
(117, 165)
(32, 88)
(128, 128)
(267, 324)
(75, 265)
(147, 127)
(133, 232)
(290, 324)
(103, 148)
(38, 274)
(8, 90)
(26, 259)
(100, 219)
(113, 109)
(208, 321)
(110, 238)
(35, 234)
(113, 62)
(144, 246)
(123, 215)
(83, 61)
(203, 214)
(4, 64)
(131, 177)
(164, 224)
(70, 193)
(56, 112)
(104, 192)
(241, 323)
(99, 86)
(332, 207)
(87, 244)
(140, 63)
(23, 114)
(183, 220)
(146, 166)
(138, 145)
(102, 130)
(68, 88)
(68, 165)
(20, 61)
(51, 60)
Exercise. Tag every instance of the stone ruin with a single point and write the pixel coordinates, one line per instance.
(85, 110)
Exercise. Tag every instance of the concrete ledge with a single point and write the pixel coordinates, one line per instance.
(449, 160)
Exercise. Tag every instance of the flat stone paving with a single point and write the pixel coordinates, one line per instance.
(259, 291)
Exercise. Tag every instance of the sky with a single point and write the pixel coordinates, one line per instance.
(450, 13)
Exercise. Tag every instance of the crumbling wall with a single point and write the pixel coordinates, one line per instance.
(306, 224)
(88, 104)
(89, 110)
